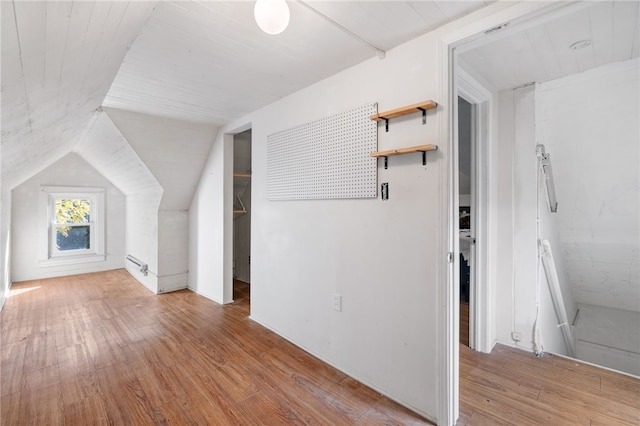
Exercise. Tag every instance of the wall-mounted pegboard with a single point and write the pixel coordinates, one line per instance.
(325, 159)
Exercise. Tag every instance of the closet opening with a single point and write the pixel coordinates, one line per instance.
(242, 219)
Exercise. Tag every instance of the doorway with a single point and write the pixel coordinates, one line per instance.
(542, 106)
(474, 211)
(242, 219)
(466, 192)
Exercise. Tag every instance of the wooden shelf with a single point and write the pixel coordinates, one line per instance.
(239, 212)
(243, 175)
(408, 150)
(410, 109)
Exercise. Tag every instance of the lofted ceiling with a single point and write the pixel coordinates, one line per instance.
(200, 62)
(174, 151)
(514, 57)
(58, 62)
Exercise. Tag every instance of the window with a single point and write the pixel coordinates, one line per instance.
(72, 228)
(75, 225)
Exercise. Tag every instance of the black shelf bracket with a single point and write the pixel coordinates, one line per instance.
(386, 125)
(424, 115)
(386, 159)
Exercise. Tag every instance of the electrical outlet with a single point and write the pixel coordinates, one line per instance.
(516, 336)
(337, 302)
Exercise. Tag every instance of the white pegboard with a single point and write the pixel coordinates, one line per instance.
(325, 159)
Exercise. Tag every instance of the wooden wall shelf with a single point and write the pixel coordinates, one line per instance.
(408, 150)
(399, 112)
(242, 175)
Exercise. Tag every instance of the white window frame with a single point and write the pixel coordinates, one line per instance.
(50, 254)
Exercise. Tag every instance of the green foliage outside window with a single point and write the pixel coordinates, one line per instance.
(69, 211)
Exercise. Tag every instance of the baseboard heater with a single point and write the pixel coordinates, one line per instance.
(144, 268)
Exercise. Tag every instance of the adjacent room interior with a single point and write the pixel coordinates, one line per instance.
(584, 271)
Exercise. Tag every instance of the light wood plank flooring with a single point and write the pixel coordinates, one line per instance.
(464, 323)
(514, 387)
(101, 349)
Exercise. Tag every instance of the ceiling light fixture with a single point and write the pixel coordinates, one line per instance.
(580, 44)
(272, 16)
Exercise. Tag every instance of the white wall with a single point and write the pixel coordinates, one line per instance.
(596, 232)
(71, 170)
(589, 123)
(594, 235)
(142, 235)
(5, 245)
(521, 284)
(504, 152)
(379, 255)
(174, 153)
(209, 245)
(524, 215)
(173, 231)
(5, 240)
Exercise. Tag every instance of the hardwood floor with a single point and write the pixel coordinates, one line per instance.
(101, 349)
(242, 294)
(514, 387)
(464, 323)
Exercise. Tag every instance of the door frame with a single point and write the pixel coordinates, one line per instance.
(482, 212)
(468, 30)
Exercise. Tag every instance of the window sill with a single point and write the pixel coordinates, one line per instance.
(73, 260)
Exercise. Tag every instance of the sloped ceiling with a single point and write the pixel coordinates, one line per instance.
(58, 62)
(192, 61)
(104, 147)
(174, 151)
(209, 61)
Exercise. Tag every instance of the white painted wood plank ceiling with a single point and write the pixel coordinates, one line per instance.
(196, 61)
(209, 62)
(542, 52)
(109, 152)
(174, 151)
(58, 61)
